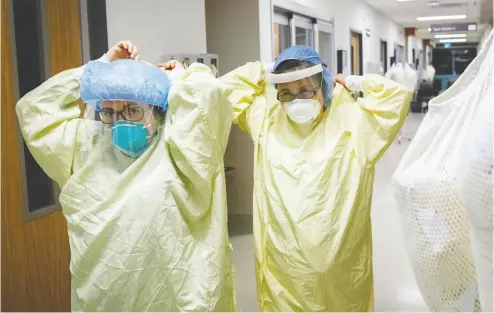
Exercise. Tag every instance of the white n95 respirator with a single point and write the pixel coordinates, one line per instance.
(302, 111)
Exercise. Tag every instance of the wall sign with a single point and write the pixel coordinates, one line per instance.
(471, 27)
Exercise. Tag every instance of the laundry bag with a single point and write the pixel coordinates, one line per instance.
(428, 74)
(403, 74)
(429, 193)
(476, 184)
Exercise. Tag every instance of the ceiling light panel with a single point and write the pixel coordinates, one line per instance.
(452, 40)
(441, 18)
(451, 36)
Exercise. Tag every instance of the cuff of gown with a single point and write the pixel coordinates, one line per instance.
(268, 67)
(104, 59)
(354, 82)
(175, 74)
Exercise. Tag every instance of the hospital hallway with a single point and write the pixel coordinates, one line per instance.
(131, 132)
(394, 284)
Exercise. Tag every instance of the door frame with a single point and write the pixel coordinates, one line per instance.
(385, 42)
(281, 18)
(327, 27)
(399, 53)
(46, 69)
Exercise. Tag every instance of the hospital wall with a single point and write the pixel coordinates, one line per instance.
(158, 26)
(234, 33)
(354, 15)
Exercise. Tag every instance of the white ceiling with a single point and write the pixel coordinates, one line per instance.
(406, 13)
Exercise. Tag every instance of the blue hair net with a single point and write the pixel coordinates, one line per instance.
(127, 80)
(306, 53)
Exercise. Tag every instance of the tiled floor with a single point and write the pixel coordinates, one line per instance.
(394, 285)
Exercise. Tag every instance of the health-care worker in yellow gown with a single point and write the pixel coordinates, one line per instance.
(315, 152)
(143, 190)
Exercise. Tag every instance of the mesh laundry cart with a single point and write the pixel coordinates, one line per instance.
(431, 195)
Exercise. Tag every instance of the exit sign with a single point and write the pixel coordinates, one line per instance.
(460, 27)
(447, 45)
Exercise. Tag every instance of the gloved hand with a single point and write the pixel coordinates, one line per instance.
(123, 50)
(172, 68)
(172, 65)
(340, 79)
(351, 82)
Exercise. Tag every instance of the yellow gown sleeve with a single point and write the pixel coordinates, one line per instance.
(248, 96)
(378, 118)
(49, 121)
(197, 127)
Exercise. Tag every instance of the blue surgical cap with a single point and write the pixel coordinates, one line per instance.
(127, 80)
(307, 54)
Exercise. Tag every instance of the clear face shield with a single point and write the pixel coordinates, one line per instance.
(121, 98)
(300, 92)
(132, 125)
(117, 132)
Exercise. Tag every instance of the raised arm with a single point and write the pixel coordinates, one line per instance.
(247, 83)
(197, 128)
(49, 121)
(378, 116)
(198, 95)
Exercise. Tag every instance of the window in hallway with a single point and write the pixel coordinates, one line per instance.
(290, 29)
(304, 33)
(40, 192)
(281, 33)
(325, 43)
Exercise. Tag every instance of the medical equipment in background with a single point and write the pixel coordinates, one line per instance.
(425, 90)
(210, 60)
(428, 73)
(403, 74)
(425, 93)
(443, 187)
(375, 68)
(450, 64)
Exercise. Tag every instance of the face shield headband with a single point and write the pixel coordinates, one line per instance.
(295, 75)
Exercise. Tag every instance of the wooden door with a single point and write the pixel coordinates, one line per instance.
(35, 252)
(355, 44)
(276, 39)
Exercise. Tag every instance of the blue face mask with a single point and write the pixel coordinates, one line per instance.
(130, 138)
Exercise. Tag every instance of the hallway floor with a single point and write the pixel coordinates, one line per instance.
(394, 285)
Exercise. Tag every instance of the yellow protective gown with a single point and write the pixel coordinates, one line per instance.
(313, 190)
(146, 234)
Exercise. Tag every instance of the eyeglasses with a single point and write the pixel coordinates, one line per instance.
(304, 94)
(130, 113)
